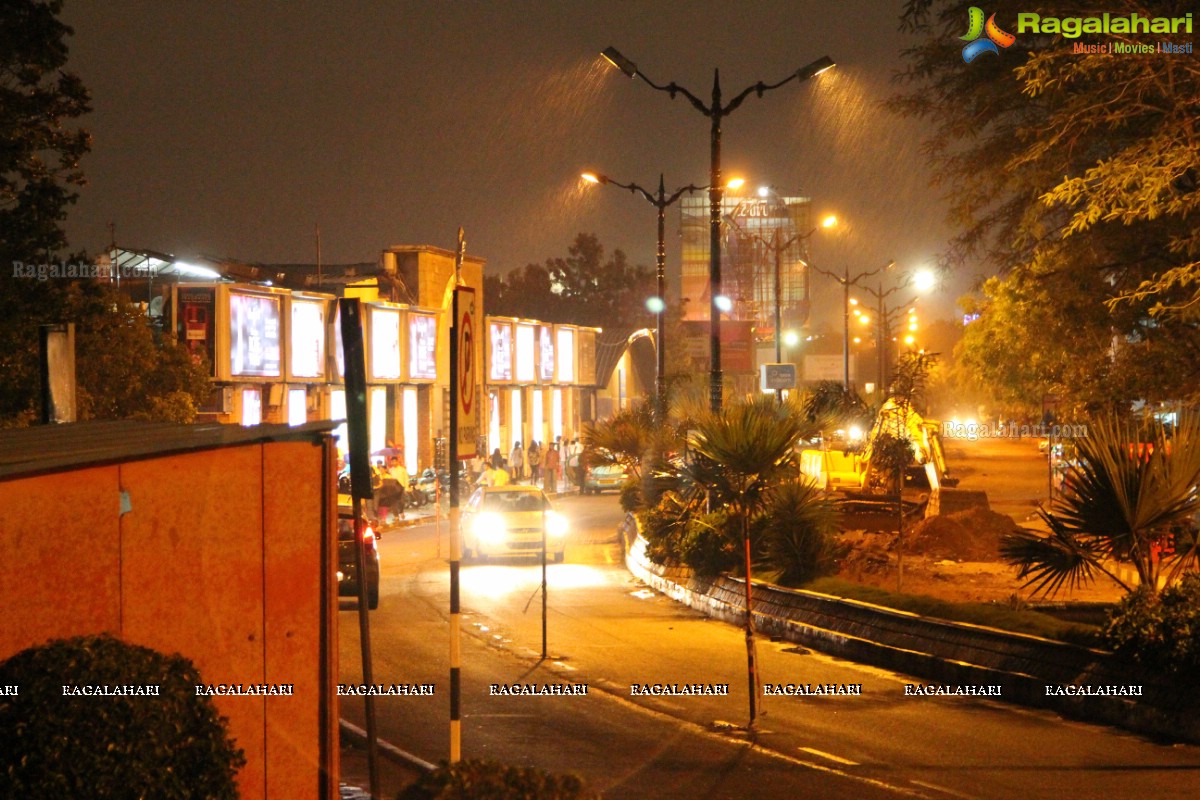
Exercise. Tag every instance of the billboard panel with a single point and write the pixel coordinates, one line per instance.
(253, 335)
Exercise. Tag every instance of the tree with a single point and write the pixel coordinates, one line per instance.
(1074, 175)
(584, 288)
(1128, 500)
(39, 158)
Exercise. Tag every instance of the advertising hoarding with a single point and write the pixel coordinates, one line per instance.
(254, 346)
(565, 345)
(546, 354)
(525, 353)
(422, 346)
(500, 352)
(307, 336)
(385, 343)
(195, 322)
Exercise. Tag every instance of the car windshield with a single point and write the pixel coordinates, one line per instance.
(503, 502)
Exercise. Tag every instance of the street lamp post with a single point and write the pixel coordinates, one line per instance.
(715, 112)
(661, 201)
(923, 281)
(846, 282)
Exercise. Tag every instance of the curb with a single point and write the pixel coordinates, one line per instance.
(933, 649)
(388, 750)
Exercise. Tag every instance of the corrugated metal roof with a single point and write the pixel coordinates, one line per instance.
(55, 448)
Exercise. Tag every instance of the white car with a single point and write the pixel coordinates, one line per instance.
(509, 520)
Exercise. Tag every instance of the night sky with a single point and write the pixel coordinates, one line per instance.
(234, 129)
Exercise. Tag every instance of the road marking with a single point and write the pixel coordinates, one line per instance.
(814, 751)
(941, 789)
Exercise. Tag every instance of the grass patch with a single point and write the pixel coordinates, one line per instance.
(991, 615)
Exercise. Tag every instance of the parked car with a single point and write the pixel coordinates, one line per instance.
(507, 521)
(603, 478)
(347, 573)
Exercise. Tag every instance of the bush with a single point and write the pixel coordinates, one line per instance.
(631, 496)
(170, 746)
(1160, 631)
(490, 780)
(797, 534)
(709, 545)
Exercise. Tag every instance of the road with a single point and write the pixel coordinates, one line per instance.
(608, 631)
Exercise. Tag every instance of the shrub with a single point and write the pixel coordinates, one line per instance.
(709, 545)
(491, 780)
(631, 496)
(797, 534)
(1161, 631)
(173, 745)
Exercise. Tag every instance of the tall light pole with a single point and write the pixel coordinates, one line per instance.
(661, 201)
(922, 282)
(778, 248)
(846, 282)
(715, 112)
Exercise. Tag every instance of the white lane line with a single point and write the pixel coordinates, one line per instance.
(830, 756)
(941, 789)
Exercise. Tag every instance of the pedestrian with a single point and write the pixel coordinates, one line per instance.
(516, 460)
(398, 473)
(550, 465)
(535, 462)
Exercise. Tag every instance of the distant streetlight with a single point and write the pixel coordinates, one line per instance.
(716, 112)
(847, 301)
(657, 304)
(922, 281)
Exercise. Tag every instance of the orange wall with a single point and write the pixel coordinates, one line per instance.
(219, 558)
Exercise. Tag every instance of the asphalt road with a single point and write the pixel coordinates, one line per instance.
(608, 631)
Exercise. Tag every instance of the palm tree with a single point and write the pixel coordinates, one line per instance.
(736, 458)
(1124, 501)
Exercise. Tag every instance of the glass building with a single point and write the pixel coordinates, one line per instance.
(754, 228)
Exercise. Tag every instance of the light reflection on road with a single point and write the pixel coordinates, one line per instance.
(496, 581)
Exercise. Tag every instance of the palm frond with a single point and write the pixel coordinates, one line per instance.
(1050, 562)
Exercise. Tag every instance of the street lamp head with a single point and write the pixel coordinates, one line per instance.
(656, 305)
(622, 63)
(924, 280)
(815, 68)
(830, 221)
(592, 177)
(735, 183)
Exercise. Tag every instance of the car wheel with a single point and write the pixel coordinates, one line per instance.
(373, 596)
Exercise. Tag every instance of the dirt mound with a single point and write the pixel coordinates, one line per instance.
(972, 535)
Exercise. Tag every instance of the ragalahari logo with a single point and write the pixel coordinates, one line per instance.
(996, 38)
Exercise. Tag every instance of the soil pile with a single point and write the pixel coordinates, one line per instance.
(972, 535)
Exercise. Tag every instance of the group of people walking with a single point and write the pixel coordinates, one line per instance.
(537, 464)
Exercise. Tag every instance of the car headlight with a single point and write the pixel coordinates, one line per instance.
(556, 524)
(489, 527)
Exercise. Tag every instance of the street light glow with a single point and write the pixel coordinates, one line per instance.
(592, 177)
(723, 303)
(791, 338)
(656, 305)
(924, 280)
(829, 221)
(735, 183)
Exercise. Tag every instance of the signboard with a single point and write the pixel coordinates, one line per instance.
(546, 354)
(826, 368)
(308, 338)
(422, 346)
(253, 335)
(385, 343)
(565, 345)
(500, 352)
(777, 376)
(586, 372)
(466, 377)
(525, 353)
(195, 326)
(737, 344)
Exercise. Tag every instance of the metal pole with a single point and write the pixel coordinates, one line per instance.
(544, 502)
(455, 530)
(846, 329)
(660, 388)
(778, 304)
(881, 347)
(714, 246)
(364, 638)
(751, 660)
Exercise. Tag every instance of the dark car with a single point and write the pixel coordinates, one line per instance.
(347, 573)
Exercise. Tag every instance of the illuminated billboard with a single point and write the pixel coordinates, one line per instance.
(525, 353)
(422, 346)
(565, 345)
(385, 343)
(500, 352)
(307, 335)
(253, 335)
(546, 354)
